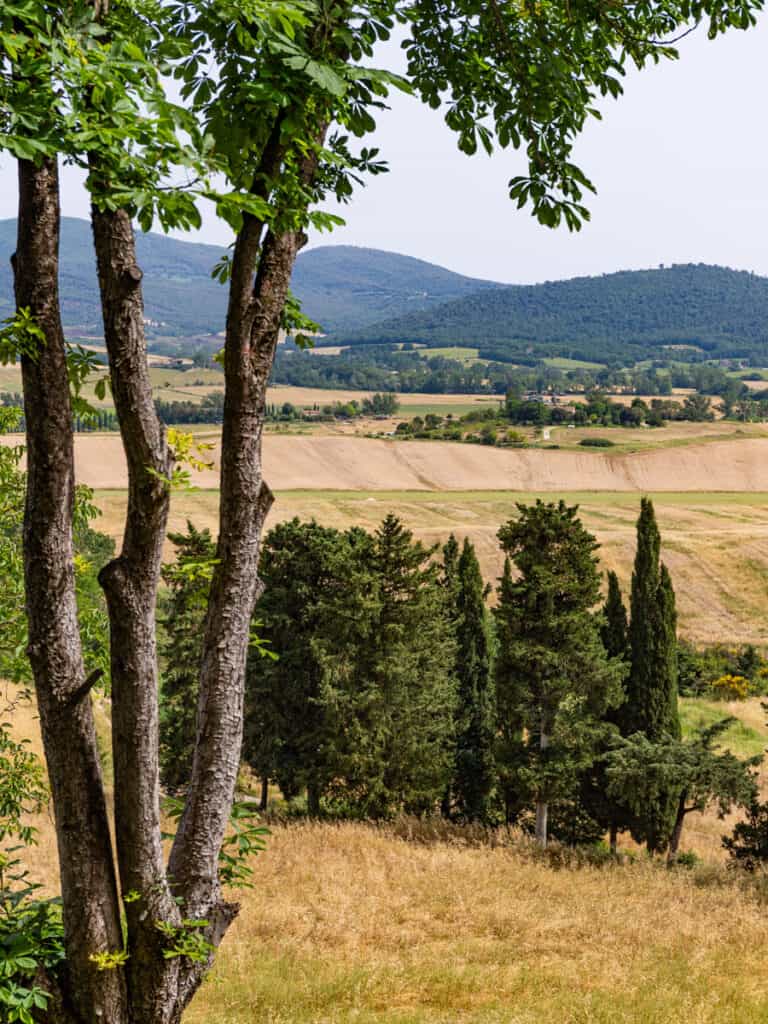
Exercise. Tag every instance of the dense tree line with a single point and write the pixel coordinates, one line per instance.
(379, 682)
(691, 311)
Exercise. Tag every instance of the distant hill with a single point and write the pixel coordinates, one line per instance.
(341, 287)
(630, 314)
(178, 289)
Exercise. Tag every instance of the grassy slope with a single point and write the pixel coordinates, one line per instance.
(372, 930)
(349, 924)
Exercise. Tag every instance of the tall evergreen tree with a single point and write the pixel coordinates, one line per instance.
(509, 690)
(475, 717)
(614, 631)
(359, 706)
(409, 672)
(555, 655)
(183, 610)
(604, 807)
(315, 609)
(651, 707)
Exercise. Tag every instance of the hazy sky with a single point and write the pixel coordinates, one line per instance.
(680, 162)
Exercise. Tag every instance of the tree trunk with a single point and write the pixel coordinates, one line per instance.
(313, 799)
(542, 806)
(88, 885)
(542, 813)
(677, 831)
(264, 801)
(614, 837)
(130, 584)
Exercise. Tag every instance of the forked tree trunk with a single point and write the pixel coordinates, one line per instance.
(88, 884)
(130, 584)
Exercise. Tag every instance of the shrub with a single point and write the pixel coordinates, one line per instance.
(747, 845)
(689, 859)
(596, 442)
(730, 687)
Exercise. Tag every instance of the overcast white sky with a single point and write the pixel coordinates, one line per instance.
(680, 162)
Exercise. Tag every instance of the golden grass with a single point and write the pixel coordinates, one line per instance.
(351, 924)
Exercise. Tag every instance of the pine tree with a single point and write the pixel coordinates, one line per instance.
(651, 705)
(555, 658)
(180, 648)
(302, 707)
(358, 708)
(474, 770)
(409, 674)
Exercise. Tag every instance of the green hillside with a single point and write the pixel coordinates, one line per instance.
(627, 315)
(342, 287)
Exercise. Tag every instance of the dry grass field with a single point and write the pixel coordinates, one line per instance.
(352, 924)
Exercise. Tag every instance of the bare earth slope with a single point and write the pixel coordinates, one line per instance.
(360, 464)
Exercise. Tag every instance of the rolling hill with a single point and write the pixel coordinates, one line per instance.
(342, 287)
(626, 315)
(365, 296)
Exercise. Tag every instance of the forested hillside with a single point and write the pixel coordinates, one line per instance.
(341, 287)
(178, 289)
(623, 316)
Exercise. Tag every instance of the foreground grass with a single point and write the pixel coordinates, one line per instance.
(351, 924)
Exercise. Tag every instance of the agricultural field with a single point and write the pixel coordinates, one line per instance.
(709, 484)
(716, 545)
(562, 363)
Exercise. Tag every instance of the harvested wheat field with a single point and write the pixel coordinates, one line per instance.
(354, 464)
(715, 544)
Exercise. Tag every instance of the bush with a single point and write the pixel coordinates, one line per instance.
(596, 442)
(689, 859)
(730, 687)
(747, 845)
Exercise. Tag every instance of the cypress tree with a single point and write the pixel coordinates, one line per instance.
(474, 771)
(509, 691)
(409, 675)
(180, 649)
(651, 706)
(615, 629)
(606, 810)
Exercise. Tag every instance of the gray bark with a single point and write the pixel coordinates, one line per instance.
(130, 584)
(677, 831)
(88, 884)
